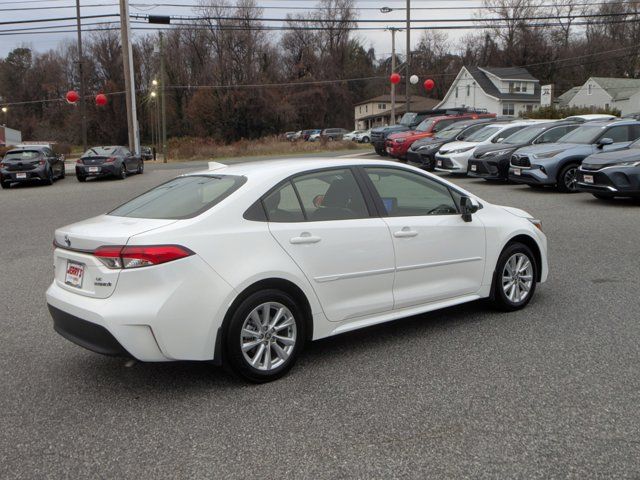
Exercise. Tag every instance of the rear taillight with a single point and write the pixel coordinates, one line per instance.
(110, 160)
(42, 162)
(144, 256)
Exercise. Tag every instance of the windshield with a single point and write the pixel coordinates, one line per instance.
(100, 151)
(448, 133)
(585, 134)
(22, 155)
(407, 119)
(484, 133)
(525, 135)
(182, 197)
(425, 125)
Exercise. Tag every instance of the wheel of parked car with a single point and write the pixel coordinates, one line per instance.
(365, 140)
(50, 179)
(5, 185)
(81, 178)
(265, 335)
(123, 172)
(514, 280)
(141, 167)
(63, 173)
(567, 178)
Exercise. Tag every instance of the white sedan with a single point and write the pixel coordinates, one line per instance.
(241, 265)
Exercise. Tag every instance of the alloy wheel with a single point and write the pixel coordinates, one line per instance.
(268, 336)
(570, 178)
(517, 277)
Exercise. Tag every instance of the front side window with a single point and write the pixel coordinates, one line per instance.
(617, 134)
(483, 134)
(407, 194)
(330, 195)
(506, 133)
(442, 124)
(182, 197)
(554, 134)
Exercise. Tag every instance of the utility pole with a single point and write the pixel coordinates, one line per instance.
(162, 101)
(83, 100)
(393, 31)
(408, 59)
(129, 80)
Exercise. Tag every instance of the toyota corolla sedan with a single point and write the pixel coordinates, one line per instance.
(241, 265)
(112, 161)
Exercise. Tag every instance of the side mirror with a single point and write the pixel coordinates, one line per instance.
(499, 140)
(605, 141)
(468, 206)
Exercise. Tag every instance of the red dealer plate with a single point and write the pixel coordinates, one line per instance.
(74, 275)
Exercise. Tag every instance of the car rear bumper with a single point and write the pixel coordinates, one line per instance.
(24, 176)
(102, 170)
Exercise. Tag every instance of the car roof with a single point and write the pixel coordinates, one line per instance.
(21, 148)
(606, 123)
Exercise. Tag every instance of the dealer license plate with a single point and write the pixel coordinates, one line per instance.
(21, 176)
(94, 169)
(439, 163)
(74, 275)
(588, 179)
(474, 168)
(517, 171)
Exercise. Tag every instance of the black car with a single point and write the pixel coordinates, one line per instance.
(422, 152)
(146, 153)
(108, 161)
(491, 162)
(611, 174)
(33, 163)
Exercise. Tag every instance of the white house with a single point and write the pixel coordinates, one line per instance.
(604, 92)
(504, 91)
(376, 111)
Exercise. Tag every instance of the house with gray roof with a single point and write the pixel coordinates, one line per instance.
(504, 91)
(564, 99)
(605, 92)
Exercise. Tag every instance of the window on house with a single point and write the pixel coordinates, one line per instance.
(524, 86)
(589, 88)
(508, 108)
(360, 109)
(468, 90)
(456, 92)
(366, 108)
(529, 108)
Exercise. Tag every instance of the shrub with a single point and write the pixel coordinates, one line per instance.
(563, 112)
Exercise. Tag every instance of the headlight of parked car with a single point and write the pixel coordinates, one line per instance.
(497, 153)
(550, 154)
(629, 164)
(461, 150)
(399, 140)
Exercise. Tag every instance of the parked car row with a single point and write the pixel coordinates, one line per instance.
(588, 153)
(330, 134)
(41, 164)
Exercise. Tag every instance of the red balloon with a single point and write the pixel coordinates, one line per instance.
(395, 78)
(101, 99)
(72, 96)
(429, 84)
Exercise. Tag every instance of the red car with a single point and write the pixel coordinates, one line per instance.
(398, 143)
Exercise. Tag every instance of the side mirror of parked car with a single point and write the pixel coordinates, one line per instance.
(468, 206)
(604, 141)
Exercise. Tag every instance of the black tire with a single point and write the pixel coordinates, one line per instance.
(381, 151)
(141, 167)
(63, 173)
(123, 172)
(365, 140)
(81, 178)
(499, 299)
(5, 185)
(567, 178)
(234, 357)
(50, 179)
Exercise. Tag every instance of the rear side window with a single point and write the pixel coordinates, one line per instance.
(182, 197)
(282, 205)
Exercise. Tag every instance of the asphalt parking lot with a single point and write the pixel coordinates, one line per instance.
(548, 392)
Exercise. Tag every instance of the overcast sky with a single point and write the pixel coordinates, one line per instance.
(380, 40)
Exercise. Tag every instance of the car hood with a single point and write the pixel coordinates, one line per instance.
(428, 142)
(516, 211)
(391, 128)
(599, 160)
(456, 146)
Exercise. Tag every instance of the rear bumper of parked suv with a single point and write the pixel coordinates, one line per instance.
(155, 313)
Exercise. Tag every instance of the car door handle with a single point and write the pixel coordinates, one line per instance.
(406, 232)
(304, 238)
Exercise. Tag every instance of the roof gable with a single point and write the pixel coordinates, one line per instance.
(617, 88)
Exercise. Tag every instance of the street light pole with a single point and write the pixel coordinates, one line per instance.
(408, 60)
(393, 69)
(129, 80)
(83, 100)
(163, 107)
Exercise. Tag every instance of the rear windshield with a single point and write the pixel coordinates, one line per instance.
(182, 197)
(22, 155)
(100, 151)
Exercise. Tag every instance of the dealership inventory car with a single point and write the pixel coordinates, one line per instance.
(491, 162)
(146, 153)
(453, 157)
(611, 174)
(351, 135)
(422, 153)
(331, 134)
(108, 161)
(556, 164)
(240, 265)
(398, 143)
(363, 137)
(32, 163)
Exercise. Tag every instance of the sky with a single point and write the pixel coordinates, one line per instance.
(14, 10)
